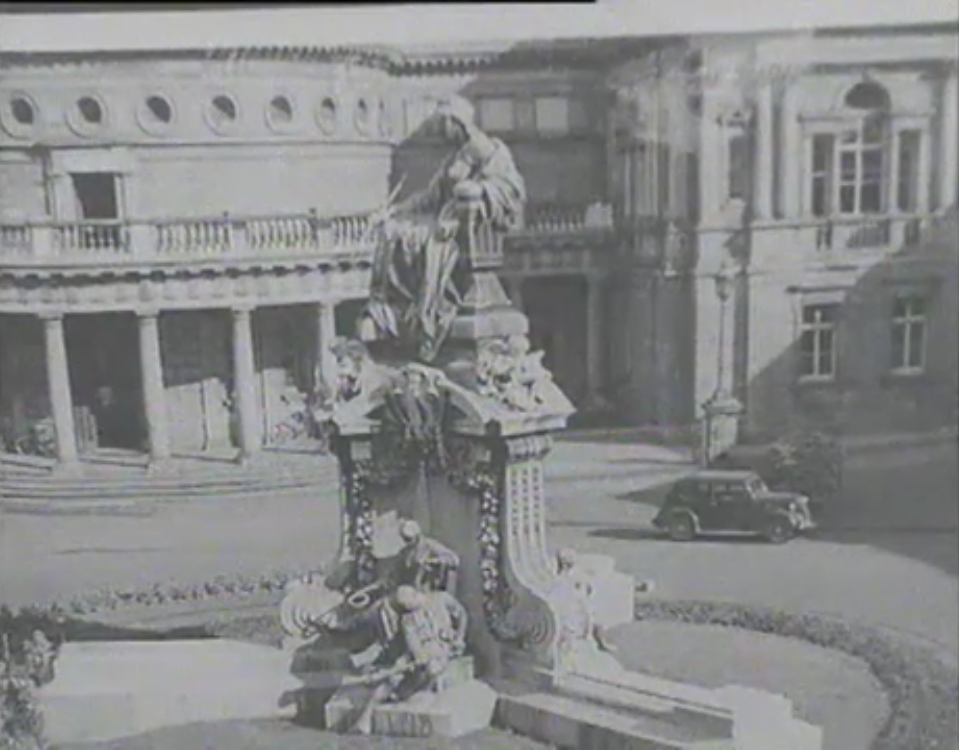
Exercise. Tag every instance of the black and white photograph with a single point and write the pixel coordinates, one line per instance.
(478, 376)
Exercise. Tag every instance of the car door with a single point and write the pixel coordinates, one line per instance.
(726, 505)
(709, 504)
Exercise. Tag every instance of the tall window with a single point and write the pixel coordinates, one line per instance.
(909, 141)
(850, 167)
(817, 343)
(909, 325)
(823, 148)
(738, 166)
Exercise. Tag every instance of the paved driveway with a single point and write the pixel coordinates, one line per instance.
(893, 561)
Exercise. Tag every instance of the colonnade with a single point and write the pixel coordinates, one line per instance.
(247, 404)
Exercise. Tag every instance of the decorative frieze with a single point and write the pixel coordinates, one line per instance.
(79, 292)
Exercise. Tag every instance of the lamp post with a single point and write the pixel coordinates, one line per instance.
(721, 411)
(723, 280)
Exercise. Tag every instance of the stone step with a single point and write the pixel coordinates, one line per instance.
(570, 723)
(109, 691)
(123, 485)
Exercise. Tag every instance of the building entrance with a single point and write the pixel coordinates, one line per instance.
(105, 381)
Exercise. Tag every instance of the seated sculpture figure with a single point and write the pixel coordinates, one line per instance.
(413, 295)
(427, 630)
(331, 606)
(583, 638)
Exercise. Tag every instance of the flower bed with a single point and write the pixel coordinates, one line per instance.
(27, 656)
(923, 690)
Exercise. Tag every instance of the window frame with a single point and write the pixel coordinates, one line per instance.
(894, 126)
(484, 102)
(566, 128)
(908, 322)
(817, 328)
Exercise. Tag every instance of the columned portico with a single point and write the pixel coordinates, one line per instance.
(244, 384)
(58, 381)
(154, 396)
(325, 374)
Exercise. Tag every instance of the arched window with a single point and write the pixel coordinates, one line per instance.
(863, 151)
(852, 165)
(868, 96)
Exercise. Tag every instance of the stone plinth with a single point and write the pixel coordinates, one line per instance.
(721, 415)
(108, 691)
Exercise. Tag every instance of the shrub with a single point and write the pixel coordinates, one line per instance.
(806, 462)
(27, 657)
(923, 690)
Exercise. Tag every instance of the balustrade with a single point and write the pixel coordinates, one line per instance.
(204, 237)
(869, 233)
(560, 218)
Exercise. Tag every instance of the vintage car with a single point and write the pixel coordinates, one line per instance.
(732, 501)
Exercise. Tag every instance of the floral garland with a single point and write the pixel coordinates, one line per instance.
(480, 480)
(360, 520)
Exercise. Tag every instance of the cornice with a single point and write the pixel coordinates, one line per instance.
(574, 54)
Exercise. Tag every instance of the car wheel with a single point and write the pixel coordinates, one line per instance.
(681, 527)
(779, 531)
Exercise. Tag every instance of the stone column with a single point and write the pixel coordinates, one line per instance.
(325, 364)
(763, 152)
(154, 395)
(949, 158)
(711, 145)
(891, 198)
(595, 364)
(58, 381)
(244, 383)
(790, 185)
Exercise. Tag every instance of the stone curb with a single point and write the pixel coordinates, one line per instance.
(901, 688)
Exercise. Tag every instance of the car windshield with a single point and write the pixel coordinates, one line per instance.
(756, 485)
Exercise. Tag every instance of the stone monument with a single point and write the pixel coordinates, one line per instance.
(445, 601)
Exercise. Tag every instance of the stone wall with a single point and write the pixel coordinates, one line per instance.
(865, 396)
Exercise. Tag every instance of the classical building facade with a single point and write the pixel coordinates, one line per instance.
(182, 232)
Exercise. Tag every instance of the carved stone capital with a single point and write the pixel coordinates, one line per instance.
(528, 448)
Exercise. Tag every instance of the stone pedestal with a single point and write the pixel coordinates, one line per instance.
(721, 416)
(459, 447)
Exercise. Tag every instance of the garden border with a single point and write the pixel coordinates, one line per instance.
(922, 688)
(923, 691)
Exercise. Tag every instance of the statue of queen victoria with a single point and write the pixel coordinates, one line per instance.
(415, 291)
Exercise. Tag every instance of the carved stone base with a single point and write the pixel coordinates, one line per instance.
(602, 704)
(720, 426)
(462, 710)
(460, 705)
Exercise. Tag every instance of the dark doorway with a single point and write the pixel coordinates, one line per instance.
(556, 308)
(105, 379)
(97, 196)
(98, 206)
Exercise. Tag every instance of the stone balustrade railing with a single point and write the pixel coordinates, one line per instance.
(871, 232)
(80, 242)
(560, 218)
(227, 236)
